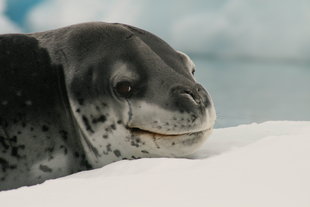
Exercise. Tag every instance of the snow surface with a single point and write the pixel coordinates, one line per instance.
(252, 165)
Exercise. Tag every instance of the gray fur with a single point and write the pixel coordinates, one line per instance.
(86, 123)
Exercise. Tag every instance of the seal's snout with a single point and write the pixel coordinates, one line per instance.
(191, 94)
(187, 98)
(205, 97)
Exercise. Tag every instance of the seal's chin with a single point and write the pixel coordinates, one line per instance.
(139, 131)
(159, 144)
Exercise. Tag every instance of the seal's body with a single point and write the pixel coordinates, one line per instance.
(83, 96)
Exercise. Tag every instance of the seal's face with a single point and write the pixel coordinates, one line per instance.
(134, 96)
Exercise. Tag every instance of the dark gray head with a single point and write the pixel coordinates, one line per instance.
(131, 94)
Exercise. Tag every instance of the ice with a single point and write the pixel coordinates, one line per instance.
(253, 165)
(273, 30)
(6, 26)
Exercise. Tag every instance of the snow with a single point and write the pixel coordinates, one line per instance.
(253, 165)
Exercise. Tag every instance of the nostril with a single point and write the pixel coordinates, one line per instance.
(186, 91)
(190, 93)
(205, 98)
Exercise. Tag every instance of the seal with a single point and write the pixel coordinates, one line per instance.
(83, 96)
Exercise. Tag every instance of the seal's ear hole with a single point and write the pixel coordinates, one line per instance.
(193, 71)
(124, 89)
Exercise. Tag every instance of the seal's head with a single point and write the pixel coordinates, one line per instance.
(133, 96)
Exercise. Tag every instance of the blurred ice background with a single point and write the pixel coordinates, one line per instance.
(252, 55)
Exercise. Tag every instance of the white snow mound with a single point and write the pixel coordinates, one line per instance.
(253, 165)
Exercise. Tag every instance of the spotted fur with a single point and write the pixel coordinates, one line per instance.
(60, 111)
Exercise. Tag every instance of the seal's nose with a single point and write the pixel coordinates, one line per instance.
(188, 97)
(191, 94)
(205, 97)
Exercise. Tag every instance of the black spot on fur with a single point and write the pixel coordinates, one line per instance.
(45, 168)
(190, 142)
(81, 101)
(3, 142)
(144, 151)
(49, 149)
(87, 125)
(135, 144)
(85, 163)
(14, 139)
(101, 118)
(194, 117)
(117, 153)
(15, 151)
(109, 147)
(45, 128)
(13, 167)
(136, 141)
(64, 148)
(4, 164)
(64, 134)
(76, 154)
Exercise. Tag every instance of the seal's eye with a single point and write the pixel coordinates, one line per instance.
(124, 89)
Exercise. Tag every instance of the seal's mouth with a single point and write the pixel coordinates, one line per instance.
(139, 131)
